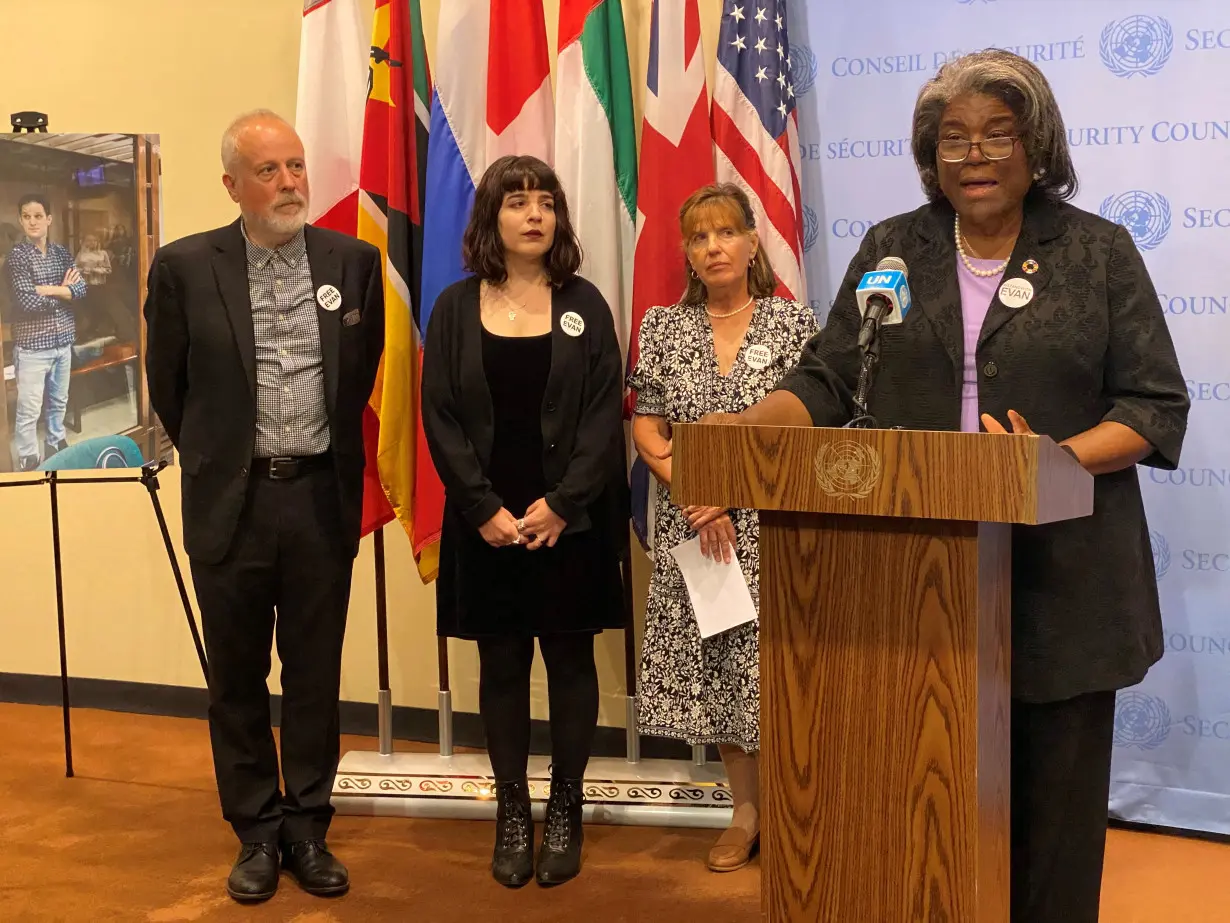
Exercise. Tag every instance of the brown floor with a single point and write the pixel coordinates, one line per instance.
(136, 836)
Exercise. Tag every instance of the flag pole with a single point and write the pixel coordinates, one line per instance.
(384, 717)
(631, 715)
(446, 700)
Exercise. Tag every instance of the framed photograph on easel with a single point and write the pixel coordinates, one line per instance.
(79, 223)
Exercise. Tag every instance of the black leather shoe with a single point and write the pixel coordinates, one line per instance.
(51, 448)
(315, 868)
(559, 858)
(512, 863)
(254, 876)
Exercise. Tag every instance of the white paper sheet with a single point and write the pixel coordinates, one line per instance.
(719, 593)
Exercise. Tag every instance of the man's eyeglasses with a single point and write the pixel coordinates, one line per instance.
(955, 151)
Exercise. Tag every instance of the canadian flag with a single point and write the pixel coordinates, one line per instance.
(332, 95)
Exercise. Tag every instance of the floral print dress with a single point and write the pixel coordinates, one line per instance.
(705, 691)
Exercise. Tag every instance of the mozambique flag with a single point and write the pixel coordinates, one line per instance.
(392, 179)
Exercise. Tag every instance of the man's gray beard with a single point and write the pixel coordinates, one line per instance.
(275, 224)
(290, 224)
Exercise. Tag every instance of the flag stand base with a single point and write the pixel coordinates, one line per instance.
(651, 793)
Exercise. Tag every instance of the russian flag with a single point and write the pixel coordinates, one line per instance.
(491, 98)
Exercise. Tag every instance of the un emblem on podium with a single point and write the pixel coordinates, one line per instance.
(847, 469)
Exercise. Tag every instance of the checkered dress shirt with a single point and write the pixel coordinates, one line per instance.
(41, 321)
(290, 384)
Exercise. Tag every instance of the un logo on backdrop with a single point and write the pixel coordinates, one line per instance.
(811, 228)
(1137, 45)
(1161, 554)
(803, 69)
(1145, 214)
(1141, 720)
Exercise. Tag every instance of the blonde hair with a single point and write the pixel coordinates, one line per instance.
(713, 203)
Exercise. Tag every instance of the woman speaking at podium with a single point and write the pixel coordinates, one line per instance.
(1073, 344)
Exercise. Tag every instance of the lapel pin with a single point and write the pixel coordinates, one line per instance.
(1016, 293)
(350, 318)
(328, 297)
(1030, 266)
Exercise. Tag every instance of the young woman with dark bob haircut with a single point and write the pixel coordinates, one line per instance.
(522, 408)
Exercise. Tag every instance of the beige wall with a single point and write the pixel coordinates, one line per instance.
(182, 69)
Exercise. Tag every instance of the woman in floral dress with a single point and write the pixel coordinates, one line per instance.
(720, 350)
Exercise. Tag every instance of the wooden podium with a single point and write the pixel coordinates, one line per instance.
(885, 640)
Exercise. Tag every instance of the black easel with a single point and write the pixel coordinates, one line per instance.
(30, 122)
(149, 478)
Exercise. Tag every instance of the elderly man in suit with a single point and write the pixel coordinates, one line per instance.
(264, 337)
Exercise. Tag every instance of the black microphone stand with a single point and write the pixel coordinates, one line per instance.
(866, 378)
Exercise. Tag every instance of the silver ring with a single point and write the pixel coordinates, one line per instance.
(520, 525)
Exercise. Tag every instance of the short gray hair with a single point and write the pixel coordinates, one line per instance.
(230, 137)
(1024, 89)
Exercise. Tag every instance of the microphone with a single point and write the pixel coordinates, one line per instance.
(883, 298)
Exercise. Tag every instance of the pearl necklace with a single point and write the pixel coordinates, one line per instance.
(734, 312)
(984, 273)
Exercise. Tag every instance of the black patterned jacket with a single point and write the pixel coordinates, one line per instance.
(1091, 346)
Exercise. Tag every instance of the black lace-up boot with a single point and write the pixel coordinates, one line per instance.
(559, 858)
(512, 863)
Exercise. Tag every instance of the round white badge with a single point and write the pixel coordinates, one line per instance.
(573, 324)
(328, 297)
(758, 357)
(1016, 293)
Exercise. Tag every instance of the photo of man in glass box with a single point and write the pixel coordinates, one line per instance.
(78, 216)
(44, 284)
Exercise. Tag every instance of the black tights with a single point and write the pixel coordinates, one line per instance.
(504, 700)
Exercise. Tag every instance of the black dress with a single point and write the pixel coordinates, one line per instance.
(484, 591)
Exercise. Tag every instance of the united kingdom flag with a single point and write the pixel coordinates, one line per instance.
(676, 160)
(756, 129)
(676, 156)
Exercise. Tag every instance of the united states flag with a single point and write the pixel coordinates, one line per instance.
(756, 130)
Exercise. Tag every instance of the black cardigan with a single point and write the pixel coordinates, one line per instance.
(582, 410)
(1092, 345)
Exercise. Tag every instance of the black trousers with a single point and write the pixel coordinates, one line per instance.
(504, 700)
(287, 570)
(1061, 753)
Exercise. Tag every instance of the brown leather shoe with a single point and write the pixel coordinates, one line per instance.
(733, 850)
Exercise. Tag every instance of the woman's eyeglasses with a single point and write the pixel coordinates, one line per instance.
(956, 151)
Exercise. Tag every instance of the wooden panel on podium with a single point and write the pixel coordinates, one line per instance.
(885, 651)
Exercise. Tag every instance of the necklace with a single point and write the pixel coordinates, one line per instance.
(984, 273)
(512, 312)
(732, 313)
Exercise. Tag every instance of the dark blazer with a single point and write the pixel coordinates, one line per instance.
(200, 359)
(582, 411)
(1091, 346)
